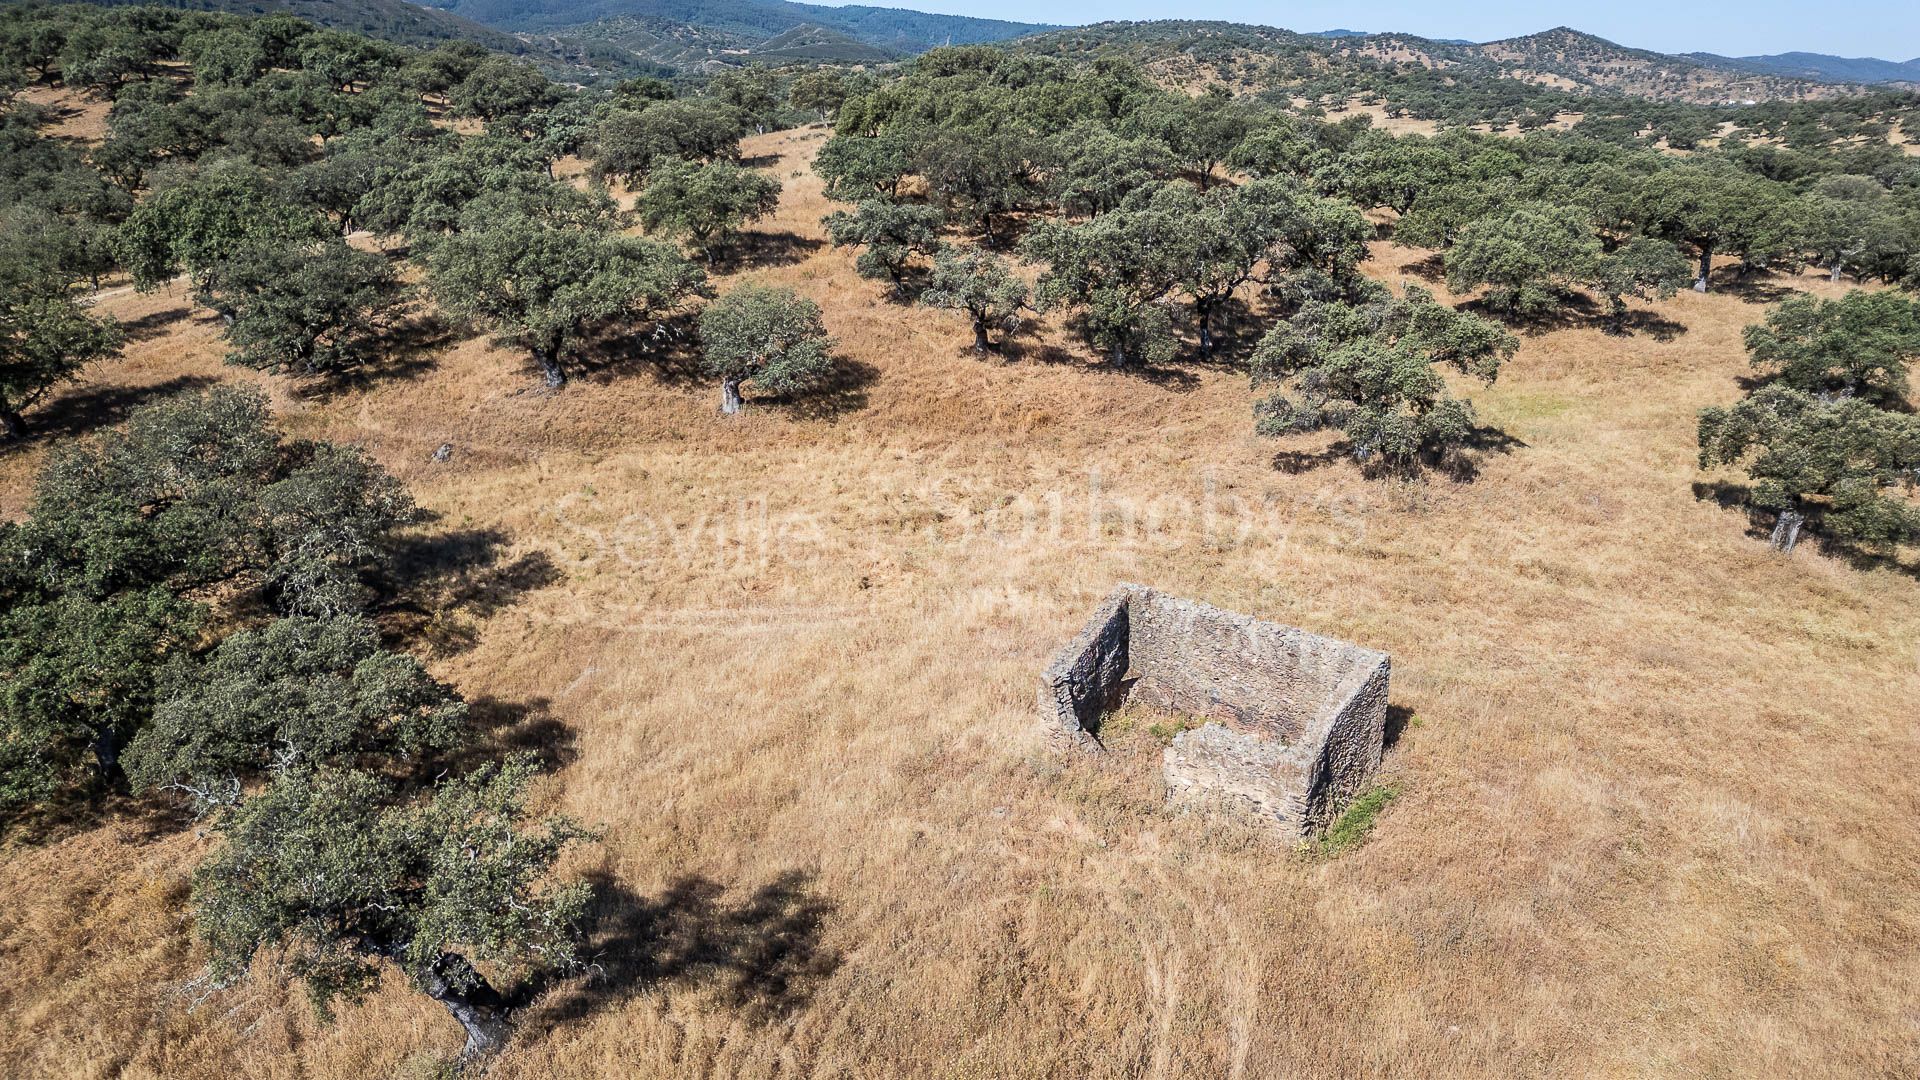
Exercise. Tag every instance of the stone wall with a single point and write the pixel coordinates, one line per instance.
(1296, 720)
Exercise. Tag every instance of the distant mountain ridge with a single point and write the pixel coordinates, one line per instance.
(1821, 67)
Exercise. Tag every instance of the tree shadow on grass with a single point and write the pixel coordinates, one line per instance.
(762, 956)
(1756, 290)
(407, 350)
(760, 249)
(668, 348)
(81, 412)
(1459, 464)
(153, 323)
(843, 391)
(439, 583)
(502, 728)
(1570, 311)
(1432, 269)
(1169, 376)
(1645, 322)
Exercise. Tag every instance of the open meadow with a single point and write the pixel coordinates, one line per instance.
(1655, 809)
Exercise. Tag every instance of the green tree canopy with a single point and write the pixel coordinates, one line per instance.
(104, 581)
(706, 204)
(1527, 258)
(1643, 268)
(982, 285)
(1860, 344)
(769, 335)
(893, 233)
(341, 876)
(1118, 268)
(197, 225)
(309, 309)
(300, 693)
(47, 335)
(549, 289)
(1845, 457)
(1371, 372)
(627, 144)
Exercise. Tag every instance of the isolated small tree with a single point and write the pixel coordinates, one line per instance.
(1845, 455)
(1643, 268)
(1858, 345)
(332, 871)
(549, 289)
(769, 335)
(1371, 372)
(47, 337)
(300, 693)
(1526, 257)
(893, 233)
(706, 204)
(981, 284)
(308, 309)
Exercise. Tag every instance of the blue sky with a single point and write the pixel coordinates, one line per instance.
(1889, 30)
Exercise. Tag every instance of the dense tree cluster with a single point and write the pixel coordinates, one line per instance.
(1147, 213)
(186, 613)
(274, 165)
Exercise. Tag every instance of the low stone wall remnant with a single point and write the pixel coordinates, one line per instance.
(1295, 722)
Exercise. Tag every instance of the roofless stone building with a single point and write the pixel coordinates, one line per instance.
(1294, 721)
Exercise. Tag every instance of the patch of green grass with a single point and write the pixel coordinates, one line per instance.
(1350, 830)
(1163, 731)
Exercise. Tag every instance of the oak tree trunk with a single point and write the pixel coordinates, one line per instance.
(730, 402)
(1203, 313)
(1706, 267)
(482, 1011)
(980, 343)
(551, 372)
(107, 774)
(1786, 530)
(12, 424)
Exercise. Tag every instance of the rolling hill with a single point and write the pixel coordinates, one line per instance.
(894, 30)
(1561, 58)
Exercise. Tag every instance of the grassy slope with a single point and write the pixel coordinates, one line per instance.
(1654, 819)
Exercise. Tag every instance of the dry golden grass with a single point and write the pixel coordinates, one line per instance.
(1656, 816)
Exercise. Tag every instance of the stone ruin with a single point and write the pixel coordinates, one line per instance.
(1295, 722)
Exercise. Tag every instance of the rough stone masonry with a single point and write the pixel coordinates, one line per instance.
(1294, 721)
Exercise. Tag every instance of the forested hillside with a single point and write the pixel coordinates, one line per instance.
(896, 29)
(500, 574)
(406, 23)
